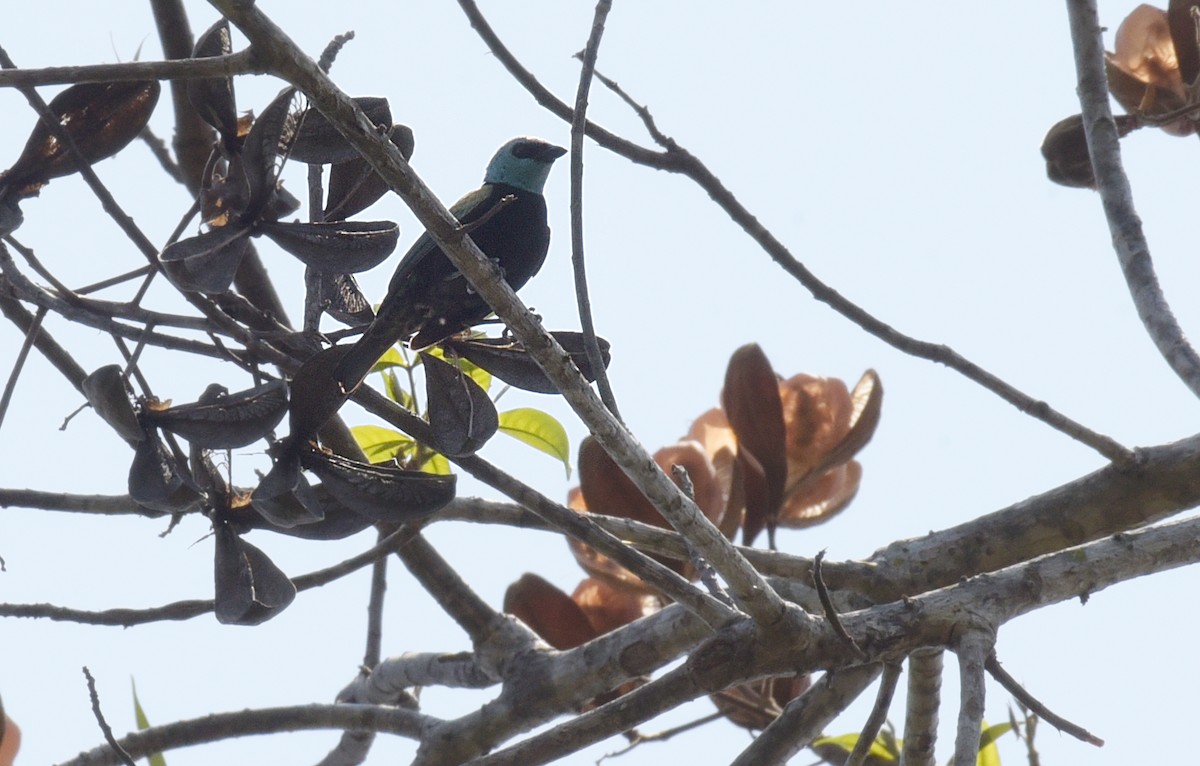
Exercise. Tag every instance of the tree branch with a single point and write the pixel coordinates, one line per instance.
(1129, 241)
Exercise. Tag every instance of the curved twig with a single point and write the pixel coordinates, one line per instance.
(578, 122)
(676, 159)
(1129, 241)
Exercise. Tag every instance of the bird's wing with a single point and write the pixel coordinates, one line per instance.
(470, 207)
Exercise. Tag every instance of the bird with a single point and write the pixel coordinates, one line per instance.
(428, 297)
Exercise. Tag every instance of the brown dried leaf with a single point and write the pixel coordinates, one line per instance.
(752, 403)
(102, 118)
(549, 612)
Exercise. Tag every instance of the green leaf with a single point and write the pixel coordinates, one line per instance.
(539, 430)
(381, 444)
(847, 742)
(389, 360)
(989, 754)
(396, 392)
(143, 723)
(437, 463)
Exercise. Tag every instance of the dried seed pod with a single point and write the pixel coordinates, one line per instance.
(221, 420)
(508, 360)
(461, 415)
(380, 492)
(340, 247)
(108, 392)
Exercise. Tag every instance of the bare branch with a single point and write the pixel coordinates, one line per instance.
(578, 122)
(974, 645)
(1129, 241)
(805, 718)
(240, 723)
(878, 717)
(678, 160)
(921, 710)
(1035, 705)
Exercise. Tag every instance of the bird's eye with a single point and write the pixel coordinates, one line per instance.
(525, 150)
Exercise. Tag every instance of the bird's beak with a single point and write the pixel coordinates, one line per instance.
(550, 152)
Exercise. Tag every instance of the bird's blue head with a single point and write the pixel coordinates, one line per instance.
(524, 163)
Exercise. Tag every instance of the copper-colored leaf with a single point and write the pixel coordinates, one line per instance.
(755, 496)
(712, 431)
(756, 705)
(380, 492)
(1065, 147)
(212, 97)
(605, 489)
(249, 587)
(1144, 71)
(101, 118)
(866, 401)
(461, 415)
(608, 608)
(108, 392)
(338, 247)
(820, 496)
(1145, 50)
(608, 491)
(10, 739)
(548, 612)
(752, 404)
(221, 420)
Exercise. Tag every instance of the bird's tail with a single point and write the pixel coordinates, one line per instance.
(382, 333)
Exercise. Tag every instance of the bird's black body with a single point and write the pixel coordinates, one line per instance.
(428, 299)
(428, 294)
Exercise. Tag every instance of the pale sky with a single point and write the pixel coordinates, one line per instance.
(894, 151)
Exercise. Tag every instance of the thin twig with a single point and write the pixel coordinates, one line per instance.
(103, 284)
(827, 604)
(186, 610)
(216, 727)
(159, 149)
(11, 385)
(704, 570)
(478, 619)
(878, 716)
(805, 718)
(1033, 703)
(638, 738)
(578, 123)
(678, 160)
(242, 62)
(103, 724)
(1129, 241)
